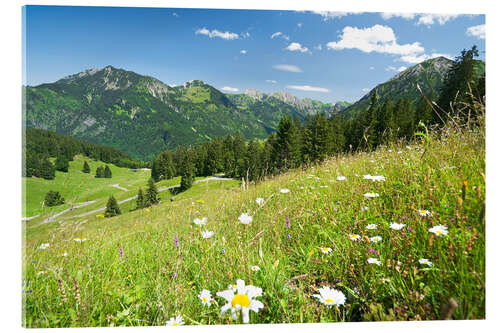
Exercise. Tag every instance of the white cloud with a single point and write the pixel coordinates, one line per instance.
(365, 89)
(429, 19)
(231, 89)
(406, 16)
(243, 51)
(418, 58)
(245, 34)
(299, 25)
(331, 15)
(392, 68)
(378, 38)
(216, 33)
(278, 34)
(297, 47)
(372, 68)
(308, 88)
(478, 31)
(271, 81)
(318, 47)
(288, 68)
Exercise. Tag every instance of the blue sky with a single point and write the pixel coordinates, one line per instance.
(328, 56)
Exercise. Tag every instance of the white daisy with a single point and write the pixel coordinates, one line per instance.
(255, 268)
(424, 261)
(374, 261)
(354, 237)
(201, 221)
(423, 212)
(375, 239)
(368, 176)
(284, 190)
(325, 250)
(397, 226)
(378, 178)
(341, 178)
(245, 218)
(384, 280)
(365, 208)
(371, 195)
(65, 254)
(43, 246)
(80, 240)
(330, 296)
(175, 321)
(439, 230)
(244, 300)
(371, 226)
(206, 297)
(259, 201)
(207, 234)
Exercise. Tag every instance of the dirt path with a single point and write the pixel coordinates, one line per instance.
(119, 187)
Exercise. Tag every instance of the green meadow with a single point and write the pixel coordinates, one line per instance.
(131, 271)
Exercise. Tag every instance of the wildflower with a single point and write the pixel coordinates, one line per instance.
(371, 195)
(176, 241)
(325, 250)
(80, 240)
(175, 321)
(397, 226)
(354, 237)
(423, 212)
(121, 251)
(384, 280)
(243, 300)
(201, 221)
(100, 216)
(245, 218)
(378, 178)
(439, 230)
(330, 296)
(341, 178)
(373, 261)
(287, 221)
(288, 236)
(64, 254)
(375, 239)
(43, 246)
(371, 226)
(409, 229)
(207, 234)
(365, 208)
(367, 176)
(338, 203)
(284, 190)
(259, 201)
(223, 251)
(372, 250)
(41, 272)
(206, 297)
(424, 261)
(255, 268)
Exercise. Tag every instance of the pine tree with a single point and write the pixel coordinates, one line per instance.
(112, 208)
(107, 172)
(99, 172)
(151, 197)
(139, 203)
(62, 163)
(53, 198)
(187, 172)
(86, 167)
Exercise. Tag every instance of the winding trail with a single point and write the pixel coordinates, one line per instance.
(78, 205)
(119, 187)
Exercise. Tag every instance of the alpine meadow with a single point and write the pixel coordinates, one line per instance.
(265, 186)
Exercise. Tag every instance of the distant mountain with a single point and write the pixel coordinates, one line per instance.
(142, 116)
(429, 75)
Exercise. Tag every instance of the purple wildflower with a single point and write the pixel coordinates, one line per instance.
(409, 229)
(176, 241)
(405, 217)
(223, 251)
(121, 251)
(469, 227)
(289, 236)
(287, 221)
(338, 202)
(175, 275)
(452, 219)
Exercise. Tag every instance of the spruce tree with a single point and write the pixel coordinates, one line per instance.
(53, 198)
(187, 173)
(139, 203)
(62, 163)
(151, 197)
(47, 170)
(107, 172)
(112, 208)
(99, 172)
(86, 167)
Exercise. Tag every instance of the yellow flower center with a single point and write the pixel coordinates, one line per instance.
(175, 324)
(204, 299)
(329, 301)
(241, 300)
(438, 232)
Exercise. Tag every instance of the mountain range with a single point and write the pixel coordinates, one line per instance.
(142, 116)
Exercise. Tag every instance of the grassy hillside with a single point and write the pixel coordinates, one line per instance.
(151, 280)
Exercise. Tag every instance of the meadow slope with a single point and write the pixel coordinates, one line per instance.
(129, 270)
